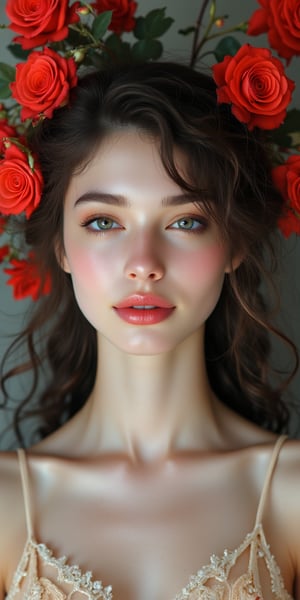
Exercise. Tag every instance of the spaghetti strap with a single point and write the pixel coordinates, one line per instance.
(274, 457)
(26, 490)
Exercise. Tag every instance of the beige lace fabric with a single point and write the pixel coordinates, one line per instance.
(212, 582)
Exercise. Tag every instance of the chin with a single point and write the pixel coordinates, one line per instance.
(144, 343)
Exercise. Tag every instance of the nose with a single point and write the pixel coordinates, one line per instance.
(145, 260)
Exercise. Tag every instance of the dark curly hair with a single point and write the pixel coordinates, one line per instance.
(228, 169)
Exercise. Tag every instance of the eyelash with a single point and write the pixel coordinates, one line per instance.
(200, 221)
(201, 224)
(88, 222)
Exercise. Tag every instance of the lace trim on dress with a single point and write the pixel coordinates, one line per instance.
(211, 582)
(246, 587)
(40, 588)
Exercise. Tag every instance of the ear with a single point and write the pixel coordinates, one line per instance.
(65, 264)
(61, 257)
(234, 263)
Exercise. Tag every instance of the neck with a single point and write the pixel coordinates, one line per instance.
(151, 406)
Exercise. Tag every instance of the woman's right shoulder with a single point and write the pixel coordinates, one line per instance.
(12, 513)
(10, 487)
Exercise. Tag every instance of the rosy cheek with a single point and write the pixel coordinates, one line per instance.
(206, 262)
(85, 264)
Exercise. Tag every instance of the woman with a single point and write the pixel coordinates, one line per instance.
(161, 451)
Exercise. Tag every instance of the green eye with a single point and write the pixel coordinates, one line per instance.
(102, 224)
(187, 223)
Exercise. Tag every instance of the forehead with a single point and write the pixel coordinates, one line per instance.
(126, 159)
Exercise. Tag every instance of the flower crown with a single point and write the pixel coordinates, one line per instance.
(56, 37)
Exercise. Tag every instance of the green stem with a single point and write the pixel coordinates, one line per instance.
(206, 37)
(197, 31)
(13, 112)
(24, 149)
(98, 45)
(84, 48)
(84, 32)
(239, 27)
(205, 54)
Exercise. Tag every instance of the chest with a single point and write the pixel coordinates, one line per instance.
(162, 524)
(145, 536)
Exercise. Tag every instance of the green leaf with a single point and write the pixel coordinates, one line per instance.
(100, 24)
(18, 52)
(282, 139)
(283, 136)
(30, 161)
(7, 73)
(114, 42)
(187, 30)
(75, 38)
(118, 48)
(94, 58)
(140, 28)
(296, 140)
(148, 49)
(292, 120)
(4, 90)
(154, 25)
(227, 46)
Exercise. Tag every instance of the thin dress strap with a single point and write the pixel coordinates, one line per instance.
(26, 490)
(269, 474)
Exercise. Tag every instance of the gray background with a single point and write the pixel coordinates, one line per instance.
(177, 47)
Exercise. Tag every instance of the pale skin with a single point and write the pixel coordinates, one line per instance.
(154, 474)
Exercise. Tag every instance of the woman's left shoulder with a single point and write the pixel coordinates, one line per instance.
(289, 462)
(286, 491)
(287, 468)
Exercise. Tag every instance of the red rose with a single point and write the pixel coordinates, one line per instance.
(40, 22)
(281, 20)
(254, 83)
(4, 251)
(20, 186)
(25, 279)
(289, 223)
(286, 178)
(5, 131)
(43, 83)
(123, 11)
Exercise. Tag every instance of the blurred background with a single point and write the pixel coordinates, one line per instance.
(177, 47)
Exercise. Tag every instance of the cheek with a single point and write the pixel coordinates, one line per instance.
(202, 279)
(86, 267)
(90, 279)
(208, 264)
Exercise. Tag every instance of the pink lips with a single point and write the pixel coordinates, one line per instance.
(144, 309)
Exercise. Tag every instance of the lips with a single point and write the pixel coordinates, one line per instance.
(144, 309)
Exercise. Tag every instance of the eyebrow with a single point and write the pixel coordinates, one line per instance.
(119, 200)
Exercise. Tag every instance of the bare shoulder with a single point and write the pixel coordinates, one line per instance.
(12, 518)
(10, 486)
(286, 494)
(289, 472)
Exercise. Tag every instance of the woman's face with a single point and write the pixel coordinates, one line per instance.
(147, 265)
